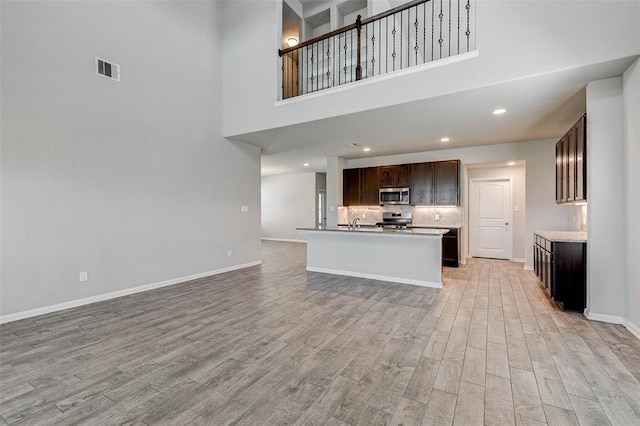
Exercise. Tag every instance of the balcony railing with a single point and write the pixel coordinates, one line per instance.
(413, 34)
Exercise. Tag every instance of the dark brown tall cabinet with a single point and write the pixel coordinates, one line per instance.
(435, 184)
(571, 164)
(393, 176)
(422, 184)
(446, 175)
(360, 187)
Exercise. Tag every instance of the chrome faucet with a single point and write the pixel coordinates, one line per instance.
(355, 223)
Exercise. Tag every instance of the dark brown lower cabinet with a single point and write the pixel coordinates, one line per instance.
(561, 267)
(451, 248)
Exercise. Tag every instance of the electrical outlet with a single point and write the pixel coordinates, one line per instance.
(244, 208)
(229, 252)
(437, 216)
(364, 216)
(83, 276)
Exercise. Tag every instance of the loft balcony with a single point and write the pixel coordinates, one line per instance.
(410, 35)
(534, 55)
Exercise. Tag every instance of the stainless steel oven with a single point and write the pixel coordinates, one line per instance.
(394, 195)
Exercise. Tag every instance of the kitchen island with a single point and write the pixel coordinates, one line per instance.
(408, 256)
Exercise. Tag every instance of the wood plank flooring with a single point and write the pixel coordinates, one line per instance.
(273, 344)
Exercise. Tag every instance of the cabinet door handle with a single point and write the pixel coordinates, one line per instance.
(506, 223)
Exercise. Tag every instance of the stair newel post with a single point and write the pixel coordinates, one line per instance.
(358, 66)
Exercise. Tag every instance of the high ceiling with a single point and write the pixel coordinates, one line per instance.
(537, 108)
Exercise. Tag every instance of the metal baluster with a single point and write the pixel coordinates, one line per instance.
(345, 57)
(312, 59)
(386, 45)
(449, 41)
(328, 62)
(416, 46)
(432, 26)
(467, 33)
(333, 68)
(458, 36)
(400, 40)
(379, 45)
(393, 55)
(424, 33)
(441, 15)
(373, 56)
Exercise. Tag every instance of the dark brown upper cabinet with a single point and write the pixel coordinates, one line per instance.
(369, 195)
(446, 183)
(430, 184)
(393, 176)
(360, 187)
(571, 164)
(351, 187)
(421, 184)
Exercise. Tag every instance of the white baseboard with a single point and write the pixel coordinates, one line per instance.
(594, 316)
(527, 267)
(633, 329)
(112, 295)
(375, 277)
(286, 240)
(518, 260)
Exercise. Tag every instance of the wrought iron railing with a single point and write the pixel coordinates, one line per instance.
(413, 34)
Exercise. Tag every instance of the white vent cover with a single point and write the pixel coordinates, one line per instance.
(108, 69)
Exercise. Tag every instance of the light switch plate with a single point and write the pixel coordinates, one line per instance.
(244, 208)
(83, 277)
(516, 208)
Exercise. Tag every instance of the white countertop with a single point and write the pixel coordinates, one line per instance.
(563, 236)
(412, 226)
(386, 231)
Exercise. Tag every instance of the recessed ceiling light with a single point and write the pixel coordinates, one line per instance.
(499, 111)
(366, 149)
(511, 163)
(306, 164)
(445, 139)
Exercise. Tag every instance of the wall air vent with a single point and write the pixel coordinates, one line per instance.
(108, 69)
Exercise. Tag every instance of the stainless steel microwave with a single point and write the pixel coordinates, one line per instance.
(394, 195)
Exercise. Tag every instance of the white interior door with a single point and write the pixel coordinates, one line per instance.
(490, 228)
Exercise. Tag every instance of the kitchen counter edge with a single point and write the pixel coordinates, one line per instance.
(563, 236)
(384, 231)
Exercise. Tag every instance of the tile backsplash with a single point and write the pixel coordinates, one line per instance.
(449, 216)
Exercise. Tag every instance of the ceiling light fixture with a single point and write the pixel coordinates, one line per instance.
(306, 164)
(292, 41)
(366, 149)
(445, 139)
(499, 111)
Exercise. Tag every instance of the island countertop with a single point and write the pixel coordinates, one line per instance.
(385, 231)
(563, 236)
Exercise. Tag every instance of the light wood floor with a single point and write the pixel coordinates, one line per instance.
(273, 344)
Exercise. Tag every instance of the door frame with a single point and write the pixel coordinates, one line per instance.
(510, 213)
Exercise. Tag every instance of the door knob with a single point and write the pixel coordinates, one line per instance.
(506, 223)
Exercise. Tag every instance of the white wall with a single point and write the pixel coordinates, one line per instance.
(538, 27)
(335, 166)
(129, 181)
(606, 198)
(288, 202)
(517, 175)
(542, 213)
(631, 105)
